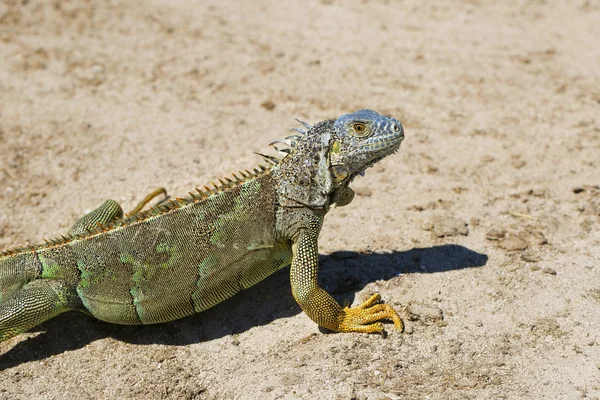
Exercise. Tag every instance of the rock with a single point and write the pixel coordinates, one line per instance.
(94, 74)
(517, 162)
(512, 243)
(427, 226)
(487, 159)
(449, 226)
(268, 105)
(549, 271)
(530, 256)
(474, 222)
(424, 314)
(495, 234)
(536, 236)
(539, 238)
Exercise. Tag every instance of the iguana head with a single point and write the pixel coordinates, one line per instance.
(324, 159)
(359, 140)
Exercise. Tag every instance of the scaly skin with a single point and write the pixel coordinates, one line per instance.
(186, 256)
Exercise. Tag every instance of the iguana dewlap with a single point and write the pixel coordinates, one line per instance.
(181, 258)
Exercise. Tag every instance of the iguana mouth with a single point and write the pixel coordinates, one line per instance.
(383, 142)
(386, 145)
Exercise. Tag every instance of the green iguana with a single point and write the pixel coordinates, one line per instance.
(187, 255)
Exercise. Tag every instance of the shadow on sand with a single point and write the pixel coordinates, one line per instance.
(342, 274)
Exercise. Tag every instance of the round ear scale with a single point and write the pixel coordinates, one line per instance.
(336, 147)
(339, 173)
(335, 153)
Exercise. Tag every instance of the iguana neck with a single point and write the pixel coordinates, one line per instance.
(303, 176)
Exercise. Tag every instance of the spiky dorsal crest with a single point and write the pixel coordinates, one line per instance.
(288, 143)
(200, 195)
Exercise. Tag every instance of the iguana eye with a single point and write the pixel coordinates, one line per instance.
(360, 129)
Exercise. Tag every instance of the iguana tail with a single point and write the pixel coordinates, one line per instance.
(36, 286)
(26, 300)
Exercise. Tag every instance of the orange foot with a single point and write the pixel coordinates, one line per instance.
(365, 317)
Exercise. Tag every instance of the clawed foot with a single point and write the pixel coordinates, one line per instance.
(366, 317)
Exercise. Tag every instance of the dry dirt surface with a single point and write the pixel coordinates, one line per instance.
(482, 231)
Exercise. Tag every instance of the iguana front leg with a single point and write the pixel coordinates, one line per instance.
(320, 306)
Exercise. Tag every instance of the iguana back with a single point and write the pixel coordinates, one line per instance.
(174, 264)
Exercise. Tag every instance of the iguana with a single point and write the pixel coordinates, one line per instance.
(185, 256)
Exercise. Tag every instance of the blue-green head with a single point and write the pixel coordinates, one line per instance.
(324, 159)
(361, 139)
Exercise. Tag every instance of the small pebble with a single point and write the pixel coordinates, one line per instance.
(268, 105)
(427, 226)
(495, 234)
(449, 226)
(512, 243)
(530, 256)
(549, 271)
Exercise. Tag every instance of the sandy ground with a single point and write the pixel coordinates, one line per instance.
(482, 231)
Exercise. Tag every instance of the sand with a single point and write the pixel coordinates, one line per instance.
(482, 231)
